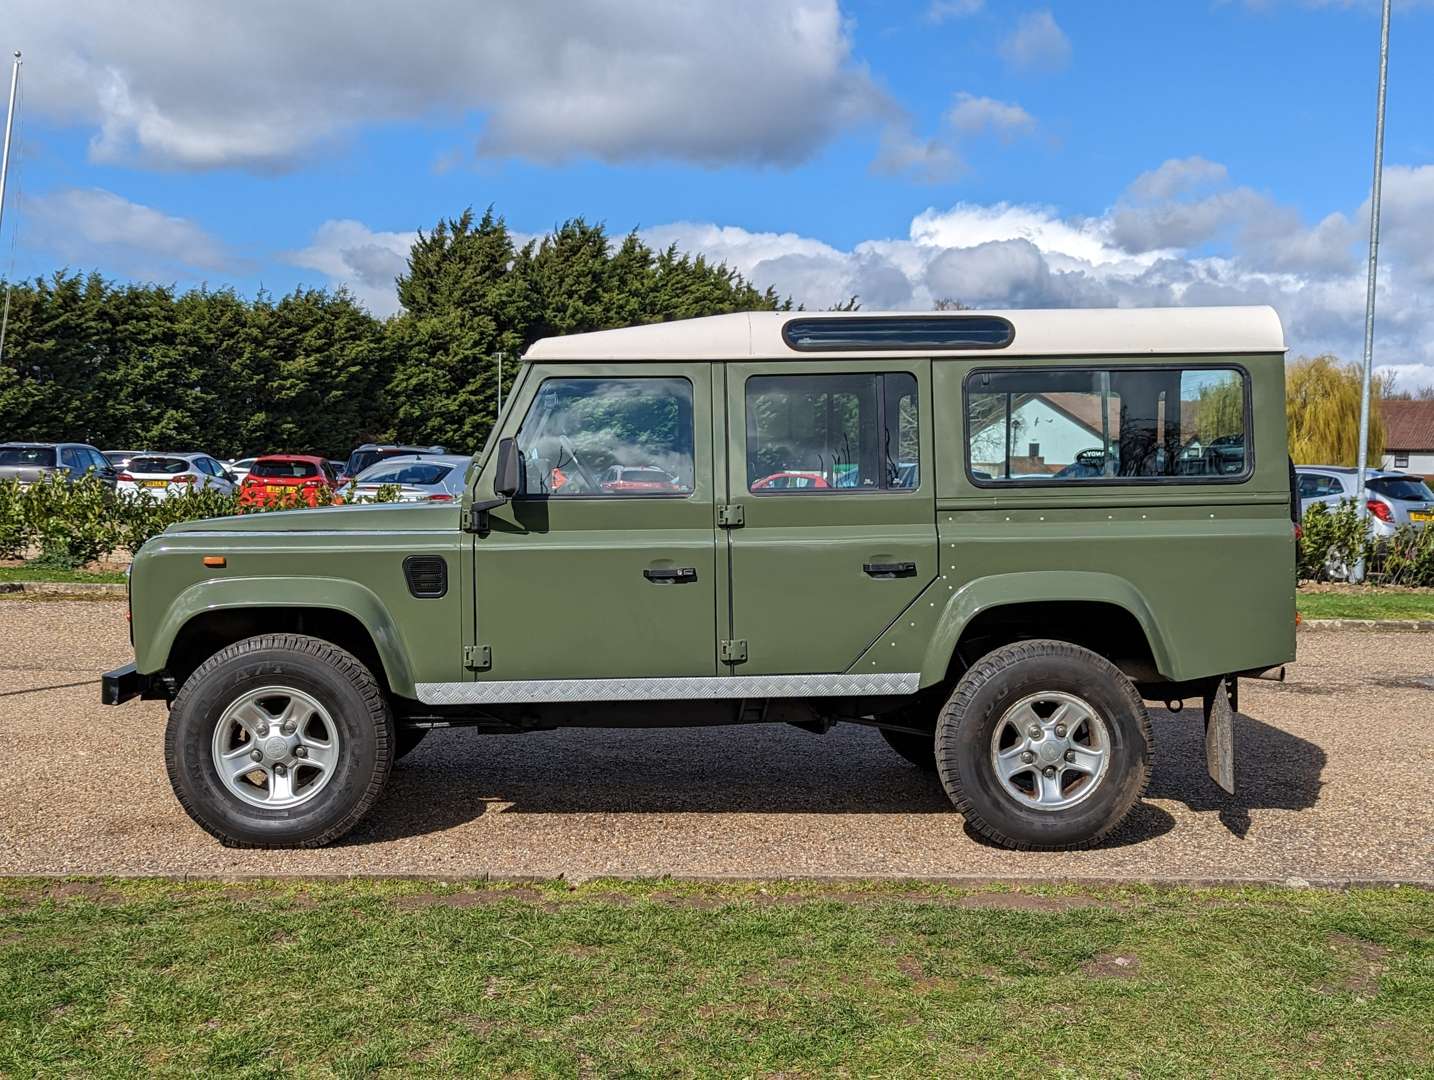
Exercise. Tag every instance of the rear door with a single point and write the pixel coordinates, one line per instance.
(829, 469)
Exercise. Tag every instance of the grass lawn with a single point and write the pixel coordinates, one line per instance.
(365, 977)
(1366, 604)
(31, 573)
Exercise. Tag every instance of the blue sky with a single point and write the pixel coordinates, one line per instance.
(1023, 154)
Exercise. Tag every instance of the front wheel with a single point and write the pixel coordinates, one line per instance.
(1044, 745)
(279, 741)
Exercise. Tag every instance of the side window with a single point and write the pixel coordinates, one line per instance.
(832, 433)
(97, 461)
(618, 437)
(1311, 487)
(1095, 425)
(70, 459)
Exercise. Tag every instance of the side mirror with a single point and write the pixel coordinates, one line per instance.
(508, 479)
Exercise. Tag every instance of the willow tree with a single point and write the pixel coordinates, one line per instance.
(1322, 409)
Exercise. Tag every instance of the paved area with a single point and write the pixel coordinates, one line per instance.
(1335, 771)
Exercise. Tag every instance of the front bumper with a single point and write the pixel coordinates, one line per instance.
(120, 685)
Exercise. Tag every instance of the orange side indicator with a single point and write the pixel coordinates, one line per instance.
(215, 561)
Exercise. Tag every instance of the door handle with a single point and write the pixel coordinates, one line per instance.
(676, 574)
(889, 569)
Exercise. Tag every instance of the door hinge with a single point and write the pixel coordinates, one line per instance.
(729, 516)
(732, 651)
(477, 657)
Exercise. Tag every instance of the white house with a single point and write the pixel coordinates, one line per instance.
(1408, 436)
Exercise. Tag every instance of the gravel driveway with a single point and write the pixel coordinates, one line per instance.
(1334, 774)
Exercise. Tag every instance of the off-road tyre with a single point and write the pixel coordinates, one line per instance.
(916, 748)
(332, 676)
(407, 740)
(967, 723)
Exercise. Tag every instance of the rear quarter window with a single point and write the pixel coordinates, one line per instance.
(284, 470)
(1085, 426)
(36, 457)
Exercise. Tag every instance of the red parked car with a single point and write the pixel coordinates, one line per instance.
(281, 477)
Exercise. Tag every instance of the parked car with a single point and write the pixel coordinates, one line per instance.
(163, 475)
(30, 462)
(431, 478)
(640, 479)
(277, 476)
(1393, 498)
(371, 453)
(1002, 632)
(240, 468)
(120, 459)
(791, 480)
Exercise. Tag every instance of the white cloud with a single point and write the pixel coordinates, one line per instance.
(972, 115)
(941, 10)
(1037, 44)
(350, 253)
(1009, 255)
(262, 85)
(91, 226)
(1176, 177)
(904, 153)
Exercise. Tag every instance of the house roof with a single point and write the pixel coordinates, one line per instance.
(1175, 331)
(1408, 425)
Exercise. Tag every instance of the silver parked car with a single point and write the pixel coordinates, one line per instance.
(425, 478)
(163, 475)
(29, 462)
(1393, 498)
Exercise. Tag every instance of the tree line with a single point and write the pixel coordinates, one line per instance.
(136, 366)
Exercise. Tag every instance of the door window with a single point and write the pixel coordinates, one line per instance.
(615, 438)
(832, 433)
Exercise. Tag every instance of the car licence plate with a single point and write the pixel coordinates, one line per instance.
(1421, 515)
(155, 483)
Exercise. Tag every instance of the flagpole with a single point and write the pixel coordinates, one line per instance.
(9, 127)
(1361, 500)
(4, 175)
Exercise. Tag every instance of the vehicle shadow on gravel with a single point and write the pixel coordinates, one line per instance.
(1274, 770)
(458, 775)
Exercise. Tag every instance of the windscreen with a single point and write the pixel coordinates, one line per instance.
(285, 470)
(416, 473)
(166, 465)
(1404, 488)
(33, 457)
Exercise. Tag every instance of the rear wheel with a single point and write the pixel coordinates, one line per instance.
(1044, 745)
(279, 740)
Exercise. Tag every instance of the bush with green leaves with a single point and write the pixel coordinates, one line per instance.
(14, 527)
(1406, 558)
(76, 523)
(1335, 540)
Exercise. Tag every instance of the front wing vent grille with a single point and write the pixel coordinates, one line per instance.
(427, 576)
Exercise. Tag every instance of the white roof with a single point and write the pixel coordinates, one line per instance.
(1176, 331)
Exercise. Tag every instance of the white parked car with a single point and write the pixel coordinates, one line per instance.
(1393, 498)
(241, 467)
(426, 478)
(163, 475)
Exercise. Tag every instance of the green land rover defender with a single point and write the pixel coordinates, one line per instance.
(992, 535)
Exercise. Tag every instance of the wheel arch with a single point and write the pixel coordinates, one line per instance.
(212, 614)
(1083, 607)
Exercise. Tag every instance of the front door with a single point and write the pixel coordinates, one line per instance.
(830, 469)
(604, 565)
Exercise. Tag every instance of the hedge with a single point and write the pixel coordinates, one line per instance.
(71, 524)
(1335, 540)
